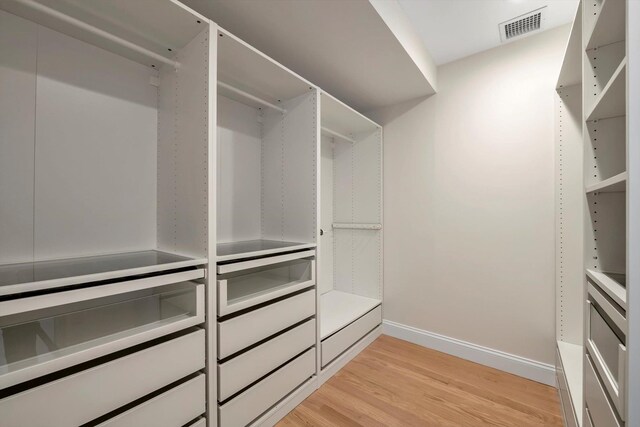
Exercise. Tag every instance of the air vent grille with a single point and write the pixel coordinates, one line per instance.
(521, 25)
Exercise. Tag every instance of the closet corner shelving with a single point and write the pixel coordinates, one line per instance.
(350, 246)
(593, 220)
(104, 244)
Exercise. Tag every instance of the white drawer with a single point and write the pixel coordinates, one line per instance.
(247, 329)
(86, 395)
(334, 345)
(173, 408)
(241, 371)
(272, 279)
(606, 327)
(250, 404)
(598, 407)
(202, 422)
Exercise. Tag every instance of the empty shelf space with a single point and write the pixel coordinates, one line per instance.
(611, 283)
(357, 226)
(40, 275)
(255, 248)
(611, 102)
(615, 184)
(572, 356)
(339, 309)
(609, 26)
(42, 342)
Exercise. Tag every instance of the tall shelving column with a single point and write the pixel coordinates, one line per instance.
(569, 226)
(606, 239)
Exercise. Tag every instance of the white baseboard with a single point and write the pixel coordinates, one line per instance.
(537, 371)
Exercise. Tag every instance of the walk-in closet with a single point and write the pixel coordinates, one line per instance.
(232, 213)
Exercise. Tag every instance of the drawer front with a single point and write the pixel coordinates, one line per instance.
(84, 396)
(598, 406)
(247, 329)
(248, 288)
(565, 399)
(202, 422)
(605, 346)
(243, 370)
(333, 346)
(250, 404)
(173, 408)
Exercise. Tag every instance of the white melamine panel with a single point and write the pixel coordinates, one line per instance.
(571, 70)
(17, 136)
(341, 118)
(602, 64)
(605, 232)
(569, 210)
(326, 243)
(183, 143)
(239, 171)
(569, 366)
(241, 371)
(605, 155)
(565, 396)
(345, 338)
(289, 151)
(173, 408)
(247, 329)
(95, 180)
(247, 406)
(76, 399)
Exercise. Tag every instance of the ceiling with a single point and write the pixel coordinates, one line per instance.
(344, 46)
(453, 29)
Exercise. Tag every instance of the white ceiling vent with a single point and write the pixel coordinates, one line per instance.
(524, 24)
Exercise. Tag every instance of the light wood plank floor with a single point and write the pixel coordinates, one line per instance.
(396, 383)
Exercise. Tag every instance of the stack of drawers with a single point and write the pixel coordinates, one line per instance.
(605, 359)
(127, 352)
(266, 333)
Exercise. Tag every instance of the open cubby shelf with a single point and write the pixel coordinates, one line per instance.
(43, 275)
(615, 184)
(611, 102)
(339, 309)
(607, 28)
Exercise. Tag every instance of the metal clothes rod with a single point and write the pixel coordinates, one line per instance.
(251, 97)
(337, 135)
(97, 31)
(357, 226)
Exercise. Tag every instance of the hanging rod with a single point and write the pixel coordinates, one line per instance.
(97, 31)
(337, 135)
(251, 97)
(357, 226)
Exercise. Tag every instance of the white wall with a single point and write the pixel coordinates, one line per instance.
(469, 200)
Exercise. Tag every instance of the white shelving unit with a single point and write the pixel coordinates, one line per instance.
(569, 156)
(266, 148)
(593, 190)
(103, 239)
(350, 251)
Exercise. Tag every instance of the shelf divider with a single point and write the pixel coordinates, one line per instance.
(611, 102)
(615, 184)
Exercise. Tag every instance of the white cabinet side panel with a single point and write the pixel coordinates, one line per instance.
(570, 204)
(239, 171)
(289, 171)
(326, 215)
(96, 128)
(18, 48)
(182, 151)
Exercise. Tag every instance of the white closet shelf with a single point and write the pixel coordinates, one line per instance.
(342, 119)
(607, 28)
(339, 309)
(357, 226)
(254, 248)
(334, 134)
(117, 26)
(572, 356)
(42, 275)
(611, 102)
(611, 283)
(571, 71)
(615, 184)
